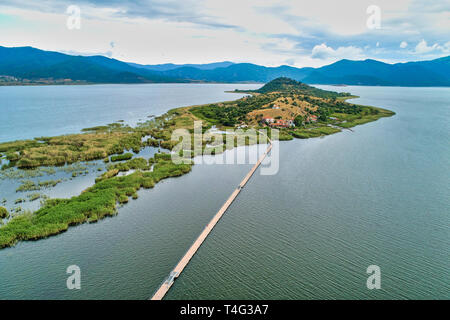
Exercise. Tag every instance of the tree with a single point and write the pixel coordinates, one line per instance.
(298, 121)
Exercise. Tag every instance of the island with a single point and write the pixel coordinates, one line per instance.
(297, 110)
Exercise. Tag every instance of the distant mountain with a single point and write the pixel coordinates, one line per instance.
(240, 72)
(31, 63)
(171, 66)
(367, 72)
(371, 72)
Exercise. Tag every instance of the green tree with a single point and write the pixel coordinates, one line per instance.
(298, 121)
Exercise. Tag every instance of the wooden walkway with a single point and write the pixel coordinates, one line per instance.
(161, 292)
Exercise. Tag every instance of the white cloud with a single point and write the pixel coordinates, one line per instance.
(325, 52)
(272, 32)
(422, 47)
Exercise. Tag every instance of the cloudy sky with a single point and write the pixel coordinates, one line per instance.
(296, 32)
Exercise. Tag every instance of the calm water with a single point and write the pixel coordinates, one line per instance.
(37, 111)
(379, 195)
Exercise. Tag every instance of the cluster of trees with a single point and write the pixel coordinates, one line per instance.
(284, 84)
(325, 108)
(232, 114)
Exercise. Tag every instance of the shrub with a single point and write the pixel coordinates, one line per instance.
(3, 213)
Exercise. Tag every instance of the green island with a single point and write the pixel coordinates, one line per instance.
(295, 109)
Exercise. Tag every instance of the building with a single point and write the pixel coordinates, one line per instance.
(280, 123)
(268, 120)
(311, 118)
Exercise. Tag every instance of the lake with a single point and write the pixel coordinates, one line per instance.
(376, 196)
(36, 111)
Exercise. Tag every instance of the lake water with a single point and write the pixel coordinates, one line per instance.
(37, 111)
(377, 196)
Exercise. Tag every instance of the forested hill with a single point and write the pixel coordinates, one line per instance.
(284, 84)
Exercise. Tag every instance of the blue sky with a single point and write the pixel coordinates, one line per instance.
(272, 33)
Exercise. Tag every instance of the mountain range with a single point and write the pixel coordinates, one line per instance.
(33, 64)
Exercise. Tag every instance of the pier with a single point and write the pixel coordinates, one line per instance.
(165, 286)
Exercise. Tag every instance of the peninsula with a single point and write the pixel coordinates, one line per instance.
(297, 110)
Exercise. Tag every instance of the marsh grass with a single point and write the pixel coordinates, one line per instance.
(120, 157)
(94, 203)
(29, 185)
(67, 149)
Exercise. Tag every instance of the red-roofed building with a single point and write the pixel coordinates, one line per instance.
(283, 123)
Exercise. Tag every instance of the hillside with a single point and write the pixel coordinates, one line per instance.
(240, 72)
(365, 72)
(171, 66)
(34, 64)
(372, 72)
(302, 110)
(287, 85)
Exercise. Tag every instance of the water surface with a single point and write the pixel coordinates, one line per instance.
(378, 195)
(36, 111)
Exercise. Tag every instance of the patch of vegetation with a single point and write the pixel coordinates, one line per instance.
(108, 174)
(4, 213)
(19, 200)
(93, 204)
(29, 185)
(136, 163)
(313, 132)
(12, 173)
(33, 196)
(120, 157)
(67, 149)
(230, 114)
(284, 84)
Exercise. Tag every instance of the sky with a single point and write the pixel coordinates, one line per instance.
(266, 32)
